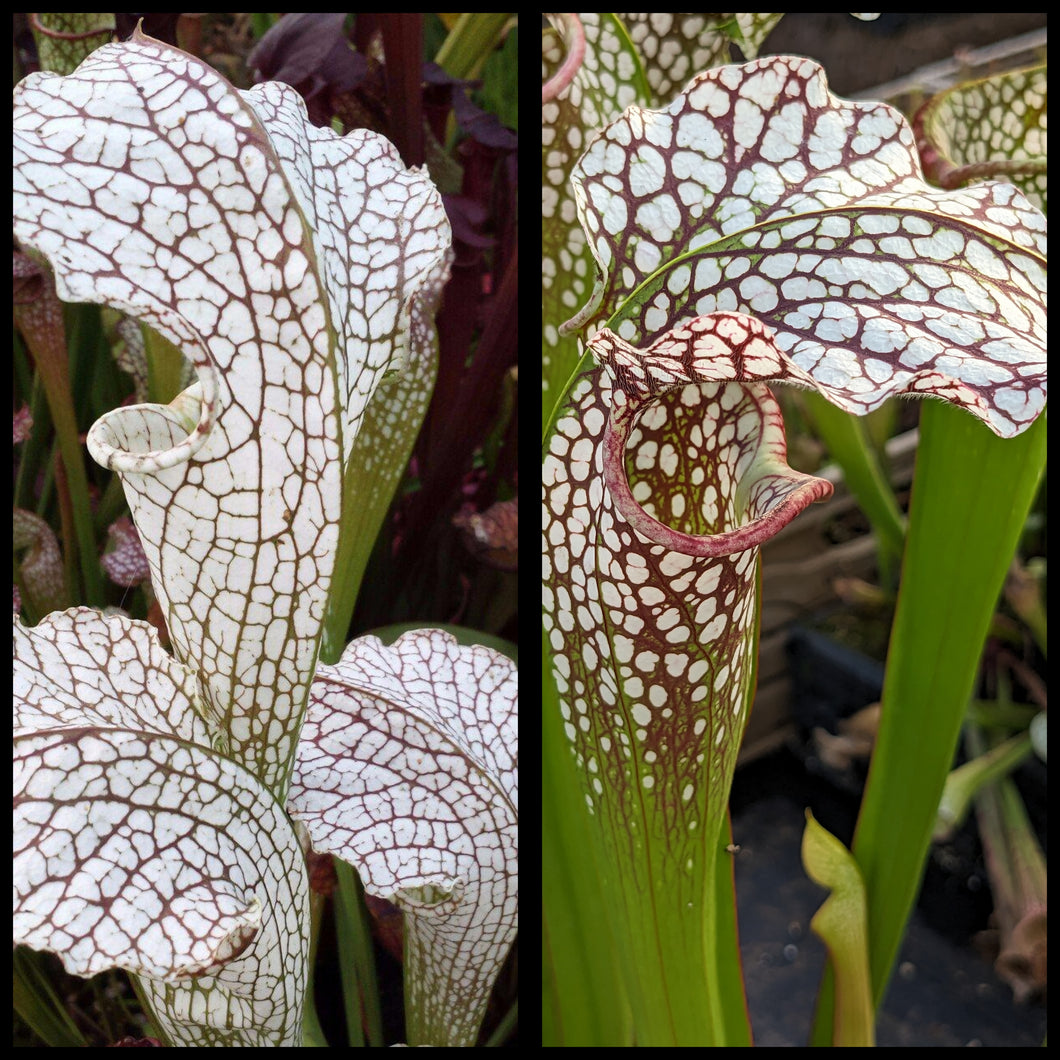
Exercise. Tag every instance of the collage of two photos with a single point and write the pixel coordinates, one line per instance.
(793, 522)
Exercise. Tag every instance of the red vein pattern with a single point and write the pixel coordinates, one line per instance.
(757, 191)
(137, 846)
(294, 268)
(408, 770)
(285, 261)
(650, 604)
(758, 228)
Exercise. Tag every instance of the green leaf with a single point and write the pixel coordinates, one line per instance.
(963, 783)
(37, 1004)
(360, 991)
(846, 439)
(500, 81)
(470, 43)
(841, 924)
(971, 495)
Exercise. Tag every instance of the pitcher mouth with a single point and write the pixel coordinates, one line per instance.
(172, 434)
(803, 490)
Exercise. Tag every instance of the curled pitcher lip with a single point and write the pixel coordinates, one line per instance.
(141, 439)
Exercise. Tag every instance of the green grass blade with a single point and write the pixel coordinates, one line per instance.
(467, 47)
(356, 962)
(847, 442)
(509, 1021)
(971, 496)
(965, 782)
(312, 1033)
(37, 1004)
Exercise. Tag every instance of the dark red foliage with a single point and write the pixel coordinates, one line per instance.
(311, 53)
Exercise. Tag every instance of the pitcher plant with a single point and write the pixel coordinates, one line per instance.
(757, 230)
(165, 803)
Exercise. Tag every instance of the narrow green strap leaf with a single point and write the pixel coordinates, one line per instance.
(846, 439)
(507, 1025)
(842, 924)
(37, 1003)
(971, 495)
(470, 42)
(360, 991)
(966, 780)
